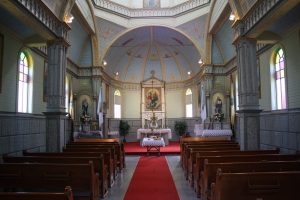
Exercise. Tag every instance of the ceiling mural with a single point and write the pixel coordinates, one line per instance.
(196, 30)
(133, 56)
(108, 31)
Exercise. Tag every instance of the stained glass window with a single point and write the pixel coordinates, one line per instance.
(189, 103)
(24, 79)
(280, 79)
(117, 104)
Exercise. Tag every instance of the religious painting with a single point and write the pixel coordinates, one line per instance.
(45, 81)
(153, 99)
(151, 3)
(1, 58)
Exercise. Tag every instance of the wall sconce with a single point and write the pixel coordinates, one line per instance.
(231, 17)
(189, 72)
(200, 61)
(68, 18)
(104, 63)
(117, 73)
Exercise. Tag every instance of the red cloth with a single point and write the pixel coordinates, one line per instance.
(152, 180)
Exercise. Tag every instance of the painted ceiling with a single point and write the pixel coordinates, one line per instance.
(133, 56)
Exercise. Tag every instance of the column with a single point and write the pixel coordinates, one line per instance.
(56, 124)
(248, 126)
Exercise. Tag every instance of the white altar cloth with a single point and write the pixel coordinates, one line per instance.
(152, 142)
(213, 132)
(142, 131)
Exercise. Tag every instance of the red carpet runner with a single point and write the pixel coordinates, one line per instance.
(152, 180)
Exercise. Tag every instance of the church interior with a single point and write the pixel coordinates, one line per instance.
(87, 81)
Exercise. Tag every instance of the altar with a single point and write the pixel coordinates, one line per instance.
(202, 130)
(165, 133)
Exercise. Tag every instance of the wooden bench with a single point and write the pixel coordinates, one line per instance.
(241, 158)
(97, 150)
(67, 195)
(119, 148)
(256, 186)
(189, 148)
(209, 173)
(191, 140)
(51, 178)
(97, 161)
(206, 148)
(108, 163)
(194, 174)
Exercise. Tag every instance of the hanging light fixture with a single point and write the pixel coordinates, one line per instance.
(200, 61)
(231, 17)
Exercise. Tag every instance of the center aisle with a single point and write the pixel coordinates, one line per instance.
(152, 180)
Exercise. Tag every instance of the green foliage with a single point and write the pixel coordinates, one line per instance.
(124, 128)
(180, 127)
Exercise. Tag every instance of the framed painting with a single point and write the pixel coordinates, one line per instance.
(153, 99)
(1, 58)
(45, 81)
(151, 3)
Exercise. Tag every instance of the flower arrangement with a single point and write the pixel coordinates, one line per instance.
(219, 117)
(85, 119)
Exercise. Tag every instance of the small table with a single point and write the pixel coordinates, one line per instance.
(153, 145)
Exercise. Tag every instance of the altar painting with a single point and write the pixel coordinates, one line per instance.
(153, 99)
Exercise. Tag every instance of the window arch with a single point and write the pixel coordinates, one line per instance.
(188, 103)
(279, 79)
(24, 83)
(117, 104)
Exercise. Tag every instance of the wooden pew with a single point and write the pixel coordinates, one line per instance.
(242, 158)
(256, 186)
(191, 140)
(189, 147)
(97, 150)
(51, 177)
(117, 149)
(194, 174)
(104, 140)
(67, 195)
(97, 161)
(118, 145)
(108, 163)
(206, 148)
(209, 173)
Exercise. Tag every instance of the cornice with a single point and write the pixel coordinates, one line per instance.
(126, 12)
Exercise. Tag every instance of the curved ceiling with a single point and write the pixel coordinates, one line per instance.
(133, 56)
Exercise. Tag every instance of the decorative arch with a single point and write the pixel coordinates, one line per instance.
(200, 50)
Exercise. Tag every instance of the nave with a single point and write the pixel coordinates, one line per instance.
(122, 182)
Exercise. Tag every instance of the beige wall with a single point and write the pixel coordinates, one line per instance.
(131, 101)
(175, 103)
(8, 96)
(292, 50)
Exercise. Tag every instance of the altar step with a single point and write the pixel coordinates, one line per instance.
(134, 148)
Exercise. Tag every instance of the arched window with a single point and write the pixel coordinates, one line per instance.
(279, 76)
(117, 104)
(188, 103)
(67, 96)
(24, 84)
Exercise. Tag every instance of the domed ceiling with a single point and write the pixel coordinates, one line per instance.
(133, 56)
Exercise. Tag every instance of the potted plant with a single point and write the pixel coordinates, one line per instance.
(180, 127)
(124, 129)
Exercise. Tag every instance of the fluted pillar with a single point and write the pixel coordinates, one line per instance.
(248, 125)
(56, 126)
